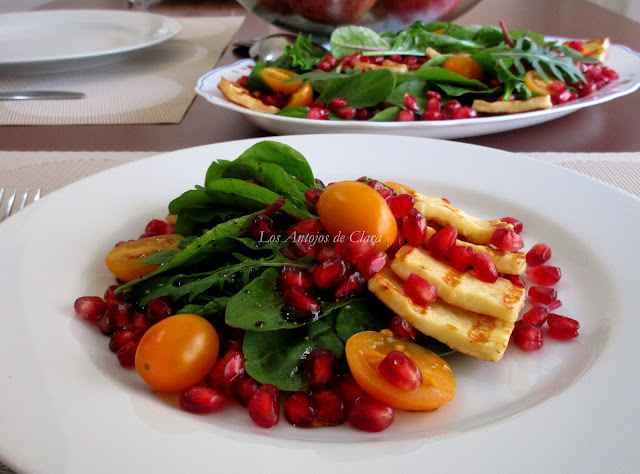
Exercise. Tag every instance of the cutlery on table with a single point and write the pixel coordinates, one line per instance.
(12, 199)
(40, 95)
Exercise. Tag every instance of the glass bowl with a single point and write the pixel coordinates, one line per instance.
(319, 18)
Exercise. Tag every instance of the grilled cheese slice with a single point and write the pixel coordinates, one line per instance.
(596, 48)
(540, 102)
(474, 229)
(465, 331)
(241, 96)
(501, 299)
(511, 263)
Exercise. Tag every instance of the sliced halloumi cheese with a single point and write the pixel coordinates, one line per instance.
(474, 229)
(511, 263)
(398, 68)
(465, 331)
(595, 48)
(241, 96)
(540, 102)
(501, 299)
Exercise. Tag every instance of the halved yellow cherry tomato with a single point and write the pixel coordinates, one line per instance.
(439, 31)
(177, 352)
(365, 351)
(348, 208)
(465, 66)
(535, 83)
(277, 79)
(124, 260)
(303, 97)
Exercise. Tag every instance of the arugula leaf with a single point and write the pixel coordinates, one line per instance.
(362, 90)
(300, 57)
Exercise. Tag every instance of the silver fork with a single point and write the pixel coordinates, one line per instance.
(12, 201)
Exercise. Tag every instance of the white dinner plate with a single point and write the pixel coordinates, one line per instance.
(620, 58)
(61, 40)
(68, 407)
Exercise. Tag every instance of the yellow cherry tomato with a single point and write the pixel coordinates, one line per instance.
(303, 97)
(349, 207)
(365, 351)
(177, 352)
(535, 83)
(124, 260)
(465, 66)
(277, 79)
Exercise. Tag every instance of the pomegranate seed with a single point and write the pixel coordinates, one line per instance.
(243, 81)
(245, 389)
(484, 268)
(507, 240)
(324, 66)
(451, 105)
(369, 414)
(299, 305)
(542, 294)
(405, 116)
(158, 309)
(329, 406)
(121, 336)
(517, 225)
(555, 305)
(105, 323)
(262, 228)
(410, 102)
(127, 354)
(264, 406)
(419, 290)
(330, 272)
(434, 95)
(434, 105)
(463, 112)
(337, 102)
(227, 372)
(110, 295)
(325, 253)
(298, 410)
(544, 275)
(312, 195)
(201, 400)
(585, 90)
(460, 257)
(577, 45)
(320, 365)
(537, 315)
(317, 113)
(357, 247)
(346, 113)
(121, 314)
(561, 327)
(90, 308)
(290, 253)
(538, 254)
(515, 280)
(371, 265)
(527, 336)
(348, 389)
(309, 226)
(363, 114)
(414, 228)
(139, 323)
(158, 227)
(441, 243)
(330, 59)
(410, 60)
(401, 328)
(352, 286)
(431, 115)
(400, 371)
(557, 87)
(291, 275)
(398, 242)
(401, 205)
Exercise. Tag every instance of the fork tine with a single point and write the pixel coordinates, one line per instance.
(38, 195)
(24, 199)
(10, 202)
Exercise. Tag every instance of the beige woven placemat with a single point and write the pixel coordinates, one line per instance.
(53, 170)
(153, 85)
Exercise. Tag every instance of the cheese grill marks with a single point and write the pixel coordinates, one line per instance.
(501, 299)
(465, 331)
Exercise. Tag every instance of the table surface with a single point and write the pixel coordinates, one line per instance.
(609, 127)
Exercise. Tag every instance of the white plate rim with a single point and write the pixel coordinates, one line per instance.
(165, 28)
(512, 439)
(448, 129)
